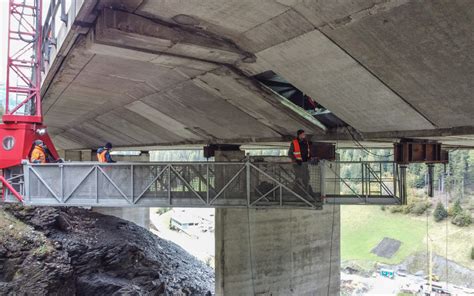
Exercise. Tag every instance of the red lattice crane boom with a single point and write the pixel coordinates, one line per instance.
(23, 120)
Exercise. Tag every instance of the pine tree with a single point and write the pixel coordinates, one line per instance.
(457, 209)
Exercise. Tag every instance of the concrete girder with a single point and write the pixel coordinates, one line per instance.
(128, 30)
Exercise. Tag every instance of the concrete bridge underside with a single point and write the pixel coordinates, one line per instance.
(158, 72)
(142, 72)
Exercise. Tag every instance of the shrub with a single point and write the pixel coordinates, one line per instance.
(161, 211)
(420, 207)
(450, 211)
(408, 208)
(456, 209)
(462, 219)
(440, 212)
(472, 253)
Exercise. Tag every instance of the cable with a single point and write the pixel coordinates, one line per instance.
(330, 247)
(35, 17)
(447, 233)
(332, 234)
(455, 149)
(362, 146)
(250, 250)
(427, 245)
(291, 252)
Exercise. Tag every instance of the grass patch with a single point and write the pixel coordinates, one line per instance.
(363, 227)
(14, 229)
(43, 250)
(460, 241)
(11, 227)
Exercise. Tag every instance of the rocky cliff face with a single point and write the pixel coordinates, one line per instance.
(72, 251)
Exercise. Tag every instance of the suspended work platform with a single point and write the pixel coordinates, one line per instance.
(250, 184)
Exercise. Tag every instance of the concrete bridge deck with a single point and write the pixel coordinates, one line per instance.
(146, 72)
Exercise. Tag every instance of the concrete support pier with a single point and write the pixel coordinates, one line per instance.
(278, 252)
(139, 216)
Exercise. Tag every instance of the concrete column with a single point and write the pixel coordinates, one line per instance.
(139, 216)
(76, 155)
(276, 251)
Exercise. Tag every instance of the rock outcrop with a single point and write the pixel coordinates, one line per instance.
(72, 251)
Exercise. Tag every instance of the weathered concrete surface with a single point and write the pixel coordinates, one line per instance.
(326, 72)
(278, 252)
(164, 72)
(142, 95)
(421, 49)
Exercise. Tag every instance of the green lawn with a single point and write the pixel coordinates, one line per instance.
(363, 227)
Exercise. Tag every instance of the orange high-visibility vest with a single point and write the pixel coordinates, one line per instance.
(38, 155)
(101, 156)
(297, 150)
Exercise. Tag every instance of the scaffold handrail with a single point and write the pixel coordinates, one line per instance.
(250, 184)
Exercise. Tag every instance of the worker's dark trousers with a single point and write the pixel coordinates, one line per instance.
(302, 175)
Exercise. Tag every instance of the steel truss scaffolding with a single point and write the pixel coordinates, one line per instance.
(202, 184)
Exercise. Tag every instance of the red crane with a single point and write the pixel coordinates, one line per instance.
(23, 119)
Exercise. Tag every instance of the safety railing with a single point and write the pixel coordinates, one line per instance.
(364, 182)
(12, 184)
(201, 184)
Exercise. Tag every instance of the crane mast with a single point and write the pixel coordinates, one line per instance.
(23, 118)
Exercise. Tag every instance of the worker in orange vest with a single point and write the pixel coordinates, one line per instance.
(38, 155)
(103, 154)
(299, 153)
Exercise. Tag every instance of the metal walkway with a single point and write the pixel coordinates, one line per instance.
(204, 184)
